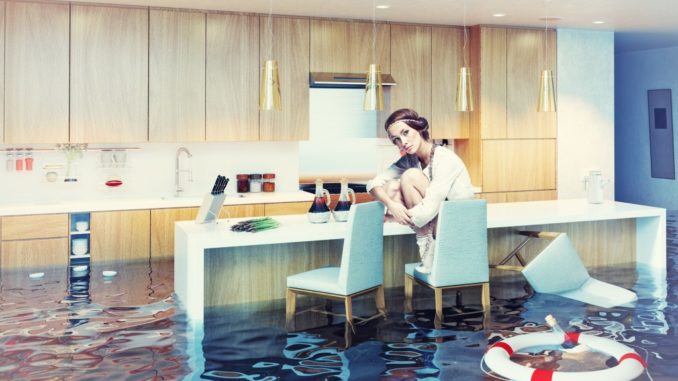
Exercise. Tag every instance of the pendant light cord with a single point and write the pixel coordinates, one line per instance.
(546, 34)
(374, 32)
(269, 26)
(465, 37)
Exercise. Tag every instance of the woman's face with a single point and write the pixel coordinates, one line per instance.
(405, 137)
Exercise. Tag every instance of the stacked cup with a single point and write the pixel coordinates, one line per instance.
(79, 246)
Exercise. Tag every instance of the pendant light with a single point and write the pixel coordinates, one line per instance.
(464, 100)
(547, 93)
(374, 94)
(269, 93)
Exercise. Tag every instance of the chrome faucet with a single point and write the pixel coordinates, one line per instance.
(178, 189)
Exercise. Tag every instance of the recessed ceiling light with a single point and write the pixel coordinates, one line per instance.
(383, 6)
(599, 22)
(498, 14)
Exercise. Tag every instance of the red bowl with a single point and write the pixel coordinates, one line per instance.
(113, 183)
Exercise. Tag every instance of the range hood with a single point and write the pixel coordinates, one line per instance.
(345, 80)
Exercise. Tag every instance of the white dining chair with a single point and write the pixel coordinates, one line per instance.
(361, 270)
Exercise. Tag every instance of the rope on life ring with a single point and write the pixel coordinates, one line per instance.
(629, 364)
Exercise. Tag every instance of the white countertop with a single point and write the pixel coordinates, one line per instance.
(296, 228)
(98, 205)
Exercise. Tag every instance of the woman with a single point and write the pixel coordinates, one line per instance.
(413, 187)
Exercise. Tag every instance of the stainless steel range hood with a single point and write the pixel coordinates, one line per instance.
(345, 80)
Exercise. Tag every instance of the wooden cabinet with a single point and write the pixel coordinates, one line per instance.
(346, 46)
(411, 68)
(519, 165)
(289, 44)
(109, 74)
(285, 208)
(36, 73)
(447, 47)
(120, 235)
(519, 196)
(232, 65)
(176, 76)
(33, 241)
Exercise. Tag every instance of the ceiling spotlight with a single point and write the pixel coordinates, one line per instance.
(498, 14)
(383, 6)
(599, 22)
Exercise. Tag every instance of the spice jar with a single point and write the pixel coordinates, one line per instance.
(243, 184)
(269, 182)
(255, 182)
(29, 159)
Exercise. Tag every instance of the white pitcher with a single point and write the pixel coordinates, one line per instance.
(594, 183)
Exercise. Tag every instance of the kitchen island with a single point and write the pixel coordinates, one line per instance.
(214, 266)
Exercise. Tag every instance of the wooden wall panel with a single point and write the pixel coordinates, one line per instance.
(36, 72)
(120, 235)
(34, 253)
(492, 78)
(291, 47)
(525, 60)
(346, 46)
(411, 68)
(517, 165)
(232, 77)
(447, 46)
(109, 74)
(176, 82)
(34, 226)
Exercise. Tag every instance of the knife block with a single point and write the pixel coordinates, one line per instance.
(210, 208)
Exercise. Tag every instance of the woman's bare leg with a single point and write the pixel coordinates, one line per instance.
(413, 185)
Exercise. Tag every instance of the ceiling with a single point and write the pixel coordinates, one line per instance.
(639, 19)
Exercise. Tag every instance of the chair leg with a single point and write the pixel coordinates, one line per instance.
(380, 299)
(409, 285)
(290, 307)
(348, 302)
(486, 296)
(439, 303)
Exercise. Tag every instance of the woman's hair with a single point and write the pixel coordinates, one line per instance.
(411, 118)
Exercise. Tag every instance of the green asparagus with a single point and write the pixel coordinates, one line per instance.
(255, 225)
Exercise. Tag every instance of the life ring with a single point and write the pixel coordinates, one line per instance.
(629, 364)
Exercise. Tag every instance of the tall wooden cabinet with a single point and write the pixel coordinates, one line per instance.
(346, 46)
(447, 56)
(511, 146)
(36, 92)
(411, 68)
(232, 64)
(109, 74)
(289, 45)
(176, 76)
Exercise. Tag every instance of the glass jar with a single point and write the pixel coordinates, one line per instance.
(29, 159)
(243, 183)
(19, 160)
(9, 163)
(255, 182)
(269, 182)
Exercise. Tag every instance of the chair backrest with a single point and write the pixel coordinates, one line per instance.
(362, 258)
(461, 244)
(557, 268)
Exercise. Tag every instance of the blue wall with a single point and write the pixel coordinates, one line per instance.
(635, 73)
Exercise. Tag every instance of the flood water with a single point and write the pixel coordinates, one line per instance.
(84, 326)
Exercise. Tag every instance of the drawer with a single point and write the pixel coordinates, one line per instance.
(34, 253)
(35, 226)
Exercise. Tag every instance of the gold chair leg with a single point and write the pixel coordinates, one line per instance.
(380, 300)
(409, 285)
(486, 296)
(439, 303)
(348, 302)
(290, 307)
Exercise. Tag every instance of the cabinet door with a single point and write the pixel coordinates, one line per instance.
(232, 64)
(491, 61)
(36, 64)
(285, 208)
(447, 45)
(34, 253)
(346, 46)
(120, 235)
(531, 196)
(411, 68)
(290, 46)
(109, 74)
(162, 229)
(519, 165)
(34, 226)
(525, 61)
(176, 82)
(237, 211)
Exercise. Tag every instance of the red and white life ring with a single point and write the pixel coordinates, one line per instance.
(630, 364)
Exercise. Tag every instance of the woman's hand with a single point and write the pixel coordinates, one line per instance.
(400, 213)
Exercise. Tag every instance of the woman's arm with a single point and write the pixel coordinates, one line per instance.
(377, 188)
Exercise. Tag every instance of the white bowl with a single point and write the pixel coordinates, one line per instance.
(81, 226)
(109, 273)
(80, 268)
(36, 275)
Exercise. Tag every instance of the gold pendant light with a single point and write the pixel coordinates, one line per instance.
(547, 92)
(464, 100)
(374, 94)
(269, 92)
